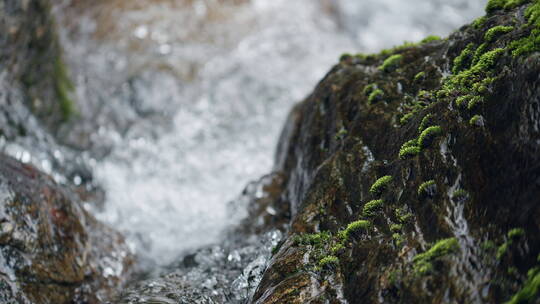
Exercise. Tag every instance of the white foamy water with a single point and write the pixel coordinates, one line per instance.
(191, 98)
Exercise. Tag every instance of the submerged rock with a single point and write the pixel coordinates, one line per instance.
(51, 249)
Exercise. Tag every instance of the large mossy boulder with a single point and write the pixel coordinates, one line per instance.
(51, 249)
(413, 175)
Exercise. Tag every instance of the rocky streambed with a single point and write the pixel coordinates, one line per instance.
(407, 176)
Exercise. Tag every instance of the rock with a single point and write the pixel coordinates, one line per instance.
(51, 249)
(460, 116)
(31, 55)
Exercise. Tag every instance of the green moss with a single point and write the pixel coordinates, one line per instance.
(336, 248)
(430, 38)
(391, 63)
(420, 76)
(405, 118)
(353, 227)
(481, 50)
(531, 43)
(63, 88)
(405, 152)
(496, 31)
(428, 134)
(495, 5)
(516, 233)
(463, 60)
(398, 238)
(474, 102)
(510, 4)
(313, 239)
(380, 184)
(422, 189)
(403, 216)
(371, 207)
(423, 262)
(375, 96)
(396, 227)
(460, 194)
(479, 22)
(475, 120)
(369, 89)
(329, 260)
(529, 291)
(345, 57)
(488, 245)
(501, 251)
(424, 123)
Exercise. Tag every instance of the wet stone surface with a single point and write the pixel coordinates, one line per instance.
(52, 250)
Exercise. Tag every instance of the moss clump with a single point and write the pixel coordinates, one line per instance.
(63, 88)
(375, 96)
(474, 102)
(423, 262)
(354, 227)
(405, 118)
(531, 43)
(473, 81)
(430, 38)
(460, 195)
(424, 123)
(488, 245)
(345, 57)
(336, 248)
(427, 135)
(424, 187)
(510, 4)
(479, 22)
(369, 89)
(371, 207)
(420, 76)
(403, 216)
(515, 233)
(476, 120)
(328, 261)
(408, 151)
(496, 31)
(495, 5)
(530, 289)
(396, 227)
(512, 235)
(501, 251)
(464, 60)
(391, 63)
(398, 238)
(380, 184)
(313, 239)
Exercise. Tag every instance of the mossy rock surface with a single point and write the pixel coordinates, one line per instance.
(31, 53)
(418, 248)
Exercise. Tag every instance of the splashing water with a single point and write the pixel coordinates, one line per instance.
(183, 101)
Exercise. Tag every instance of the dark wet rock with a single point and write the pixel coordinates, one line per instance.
(51, 249)
(467, 129)
(409, 176)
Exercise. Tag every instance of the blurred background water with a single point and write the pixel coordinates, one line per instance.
(181, 101)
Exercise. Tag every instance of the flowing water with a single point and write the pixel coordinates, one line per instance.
(182, 101)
